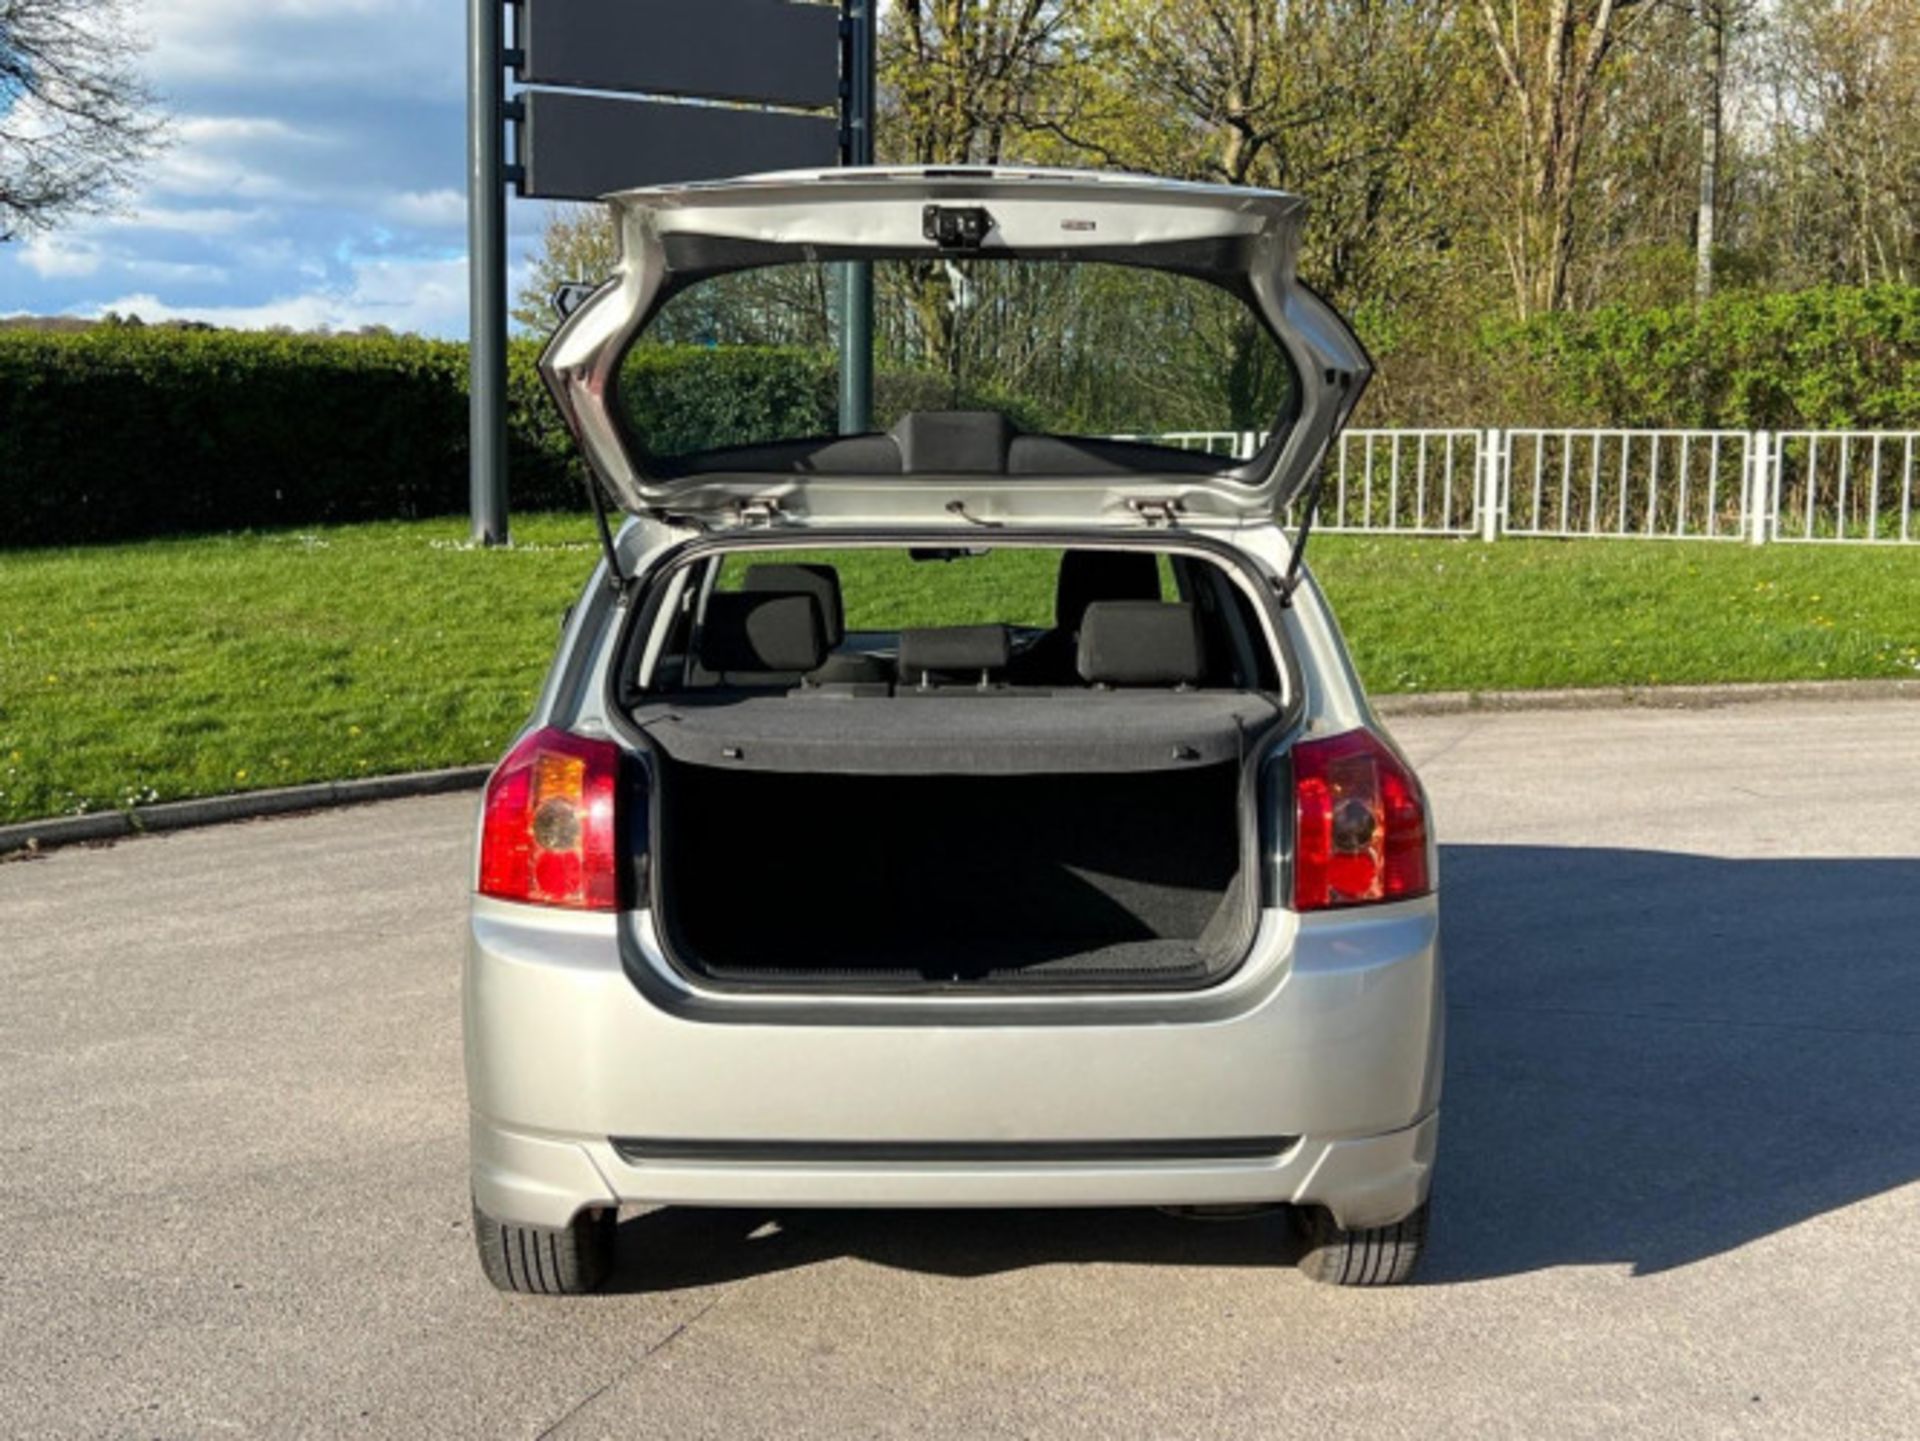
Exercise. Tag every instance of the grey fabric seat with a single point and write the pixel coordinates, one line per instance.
(1086, 576)
(822, 582)
(759, 640)
(954, 655)
(1142, 643)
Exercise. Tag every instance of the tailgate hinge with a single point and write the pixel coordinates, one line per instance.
(762, 510)
(1157, 510)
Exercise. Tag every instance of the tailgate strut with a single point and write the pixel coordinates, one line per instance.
(1291, 581)
(616, 578)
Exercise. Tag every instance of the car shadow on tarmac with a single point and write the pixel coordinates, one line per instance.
(1656, 1058)
(1653, 1058)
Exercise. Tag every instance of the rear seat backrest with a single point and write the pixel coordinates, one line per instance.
(761, 638)
(1141, 643)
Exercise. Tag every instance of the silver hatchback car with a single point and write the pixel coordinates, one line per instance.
(975, 809)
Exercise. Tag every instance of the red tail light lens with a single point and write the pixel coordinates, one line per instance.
(549, 835)
(1360, 824)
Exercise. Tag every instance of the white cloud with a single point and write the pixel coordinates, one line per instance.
(428, 209)
(177, 272)
(393, 47)
(313, 176)
(203, 131)
(426, 296)
(210, 220)
(60, 256)
(189, 174)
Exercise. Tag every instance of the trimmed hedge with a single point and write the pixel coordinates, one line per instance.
(123, 432)
(686, 398)
(120, 433)
(116, 433)
(1829, 358)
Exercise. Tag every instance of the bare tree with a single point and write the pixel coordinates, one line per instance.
(1552, 58)
(1844, 152)
(75, 118)
(967, 80)
(1719, 23)
(1713, 21)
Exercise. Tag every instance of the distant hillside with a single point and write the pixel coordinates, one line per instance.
(75, 324)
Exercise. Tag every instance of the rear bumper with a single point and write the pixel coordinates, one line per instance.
(1365, 1181)
(1327, 1042)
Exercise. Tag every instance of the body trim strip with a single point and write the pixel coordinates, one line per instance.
(639, 1150)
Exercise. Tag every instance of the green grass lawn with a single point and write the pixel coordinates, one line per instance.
(139, 673)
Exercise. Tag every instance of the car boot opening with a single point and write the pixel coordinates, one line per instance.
(781, 879)
(885, 767)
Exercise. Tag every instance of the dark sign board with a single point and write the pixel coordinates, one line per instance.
(771, 51)
(577, 147)
(574, 145)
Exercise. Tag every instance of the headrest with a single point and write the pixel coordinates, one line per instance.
(1090, 575)
(966, 649)
(752, 631)
(967, 442)
(822, 582)
(1141, 642)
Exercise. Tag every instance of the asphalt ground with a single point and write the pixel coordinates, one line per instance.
(1678, 1194)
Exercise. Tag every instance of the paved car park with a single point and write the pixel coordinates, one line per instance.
(1679, 1184)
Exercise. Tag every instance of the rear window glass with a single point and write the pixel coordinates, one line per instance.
(1070, 348)
(735, 626)
(888, 590)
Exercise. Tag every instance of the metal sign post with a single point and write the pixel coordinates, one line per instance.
(785, 59)
(486, 275)
(856, 280)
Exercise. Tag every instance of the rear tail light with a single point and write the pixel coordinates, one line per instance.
(549, 833)
(1359, 824)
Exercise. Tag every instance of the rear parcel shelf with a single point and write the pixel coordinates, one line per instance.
(832, 730)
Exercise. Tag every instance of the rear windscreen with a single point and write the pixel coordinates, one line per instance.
(1068, 348)
(747, 619)
(890, 590)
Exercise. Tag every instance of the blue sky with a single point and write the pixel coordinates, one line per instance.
(315, 176)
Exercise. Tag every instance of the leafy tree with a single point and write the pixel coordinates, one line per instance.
(1553, 58)
(578, 244)
(1343, 101)
(1467, 163)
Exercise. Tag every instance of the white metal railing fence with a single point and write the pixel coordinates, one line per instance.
(1231, 444)
(1663, 484)
(1414, 482)
(1837, 487)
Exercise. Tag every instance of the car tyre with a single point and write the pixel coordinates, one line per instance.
(1370, 1256)
(570, 1260)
